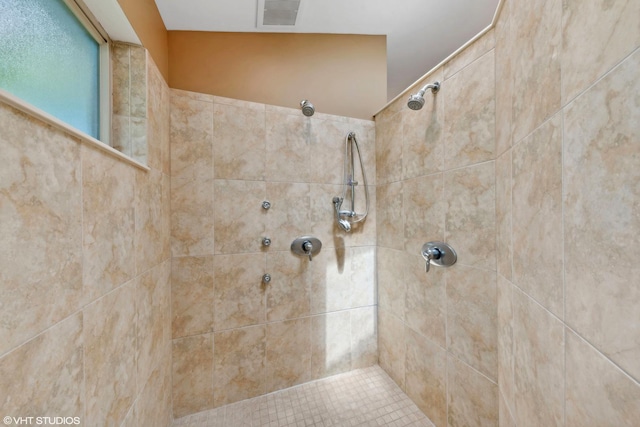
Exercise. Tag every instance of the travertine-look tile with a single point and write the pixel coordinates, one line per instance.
(192, 210)
(239, 364)
(506, 420)
(470, 219)
(287, 146)
(240, 221)
(288, 353)
(239, 141)
(469, 108)
(389, 149)
(323, 224)
(537, 215)
(288, 293)
(139, 140)
(426, 372)
(109, 335)
(191, 138)
(472, 398)
(505, 57)
(536, 32)
(192, 295)
(330, 278)
(422, 141)
(392, 286)
(472, 324)
(389, 215)
(108, 229)
(595, 37)
(423, 210)
(159, 119)
(120, 137)
(364, 337)
(192, 374)
(504, 245)
(391, 346)
(538, 353)
(330, 344)
(326, 149)
(598, 393)
(239, 292)
(602, 197)
(153, 406)
(41, 217)
(424, 308)
(120, 79)
(289, 215)
(151, 238)
(505, 339)
(362, 276)
(481, 46)
(193, 95)
(138, 76)
(45, 376)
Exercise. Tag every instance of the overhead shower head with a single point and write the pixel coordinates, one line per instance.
(307, 108)
(416, 101)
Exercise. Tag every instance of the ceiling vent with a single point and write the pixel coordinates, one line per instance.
(279, 14)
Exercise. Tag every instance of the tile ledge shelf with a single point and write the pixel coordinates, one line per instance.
(47, 118)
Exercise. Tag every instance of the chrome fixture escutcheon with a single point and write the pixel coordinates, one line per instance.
(266, 278)
(439, 254)
(306, 246)
(266, 204)
(266, 241)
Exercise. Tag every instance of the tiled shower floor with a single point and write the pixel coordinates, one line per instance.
(364, 397)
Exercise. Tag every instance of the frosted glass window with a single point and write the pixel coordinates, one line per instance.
(50, 60)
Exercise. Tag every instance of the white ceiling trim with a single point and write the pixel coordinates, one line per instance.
(110, 15)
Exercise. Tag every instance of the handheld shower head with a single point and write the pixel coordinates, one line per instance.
(307, 108)
(344, 224)
(416, 101)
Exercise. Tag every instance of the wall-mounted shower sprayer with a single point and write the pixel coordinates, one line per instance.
(307, 108)
(346, 218)
(416, 101)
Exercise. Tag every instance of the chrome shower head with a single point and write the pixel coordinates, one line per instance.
(307, 108)
(416, 101)
(344, 224)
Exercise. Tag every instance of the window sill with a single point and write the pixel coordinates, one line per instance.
(47, 118)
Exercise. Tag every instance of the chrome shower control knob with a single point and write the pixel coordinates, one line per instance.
(266, 204)
(307, 247)
(266, 278)
(439, 254)
(266, 241)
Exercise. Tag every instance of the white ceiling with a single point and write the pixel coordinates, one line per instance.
(420, 33)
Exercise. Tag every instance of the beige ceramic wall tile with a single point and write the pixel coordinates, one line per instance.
(240, 221)
(120, 137)
(365, 131)
(363, 276)
(504, 244)
(390, 110)
(364, 337)
(330, 344)
(120, 79)
(159, 119)
(288, 293)
(41, 217)
(192, 295)
(598, 393)
(239, 141)
(108, 229)
(472, 398)
(239, 364)
(327, 149)
(192, 210)
(138, 75)
(191, 137)
(139, 140)
(288, 353)
(239, 298)
(287, 146)
(391, 346)
(425, 303)
(153, 404)
(481, 46)
(131, 420)
(152, 309)
(505, 339)
(392, 286)
(422, 141)
(151, 242)
(329, 276)
(322, 217)
(595, 37)
(506, 420)
(193, 95)
(389, 149)
(109, 335)
(470, 219)
(423, 211)
(538, 364)
(505, 56)
(472, 324)
(389, 215)
(289, 215)
(602, 171)
(192, 374)
(537, 215)
(469, 108)
(536, 32)
(426, 372)
(44, 377)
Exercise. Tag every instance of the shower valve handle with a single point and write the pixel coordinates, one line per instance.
(307, 247)
(429, 254)
(439, 254)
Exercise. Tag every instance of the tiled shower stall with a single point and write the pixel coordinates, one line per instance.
(130, 297)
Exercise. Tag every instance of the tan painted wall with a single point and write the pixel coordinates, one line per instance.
(340, 74)
(148, 25)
